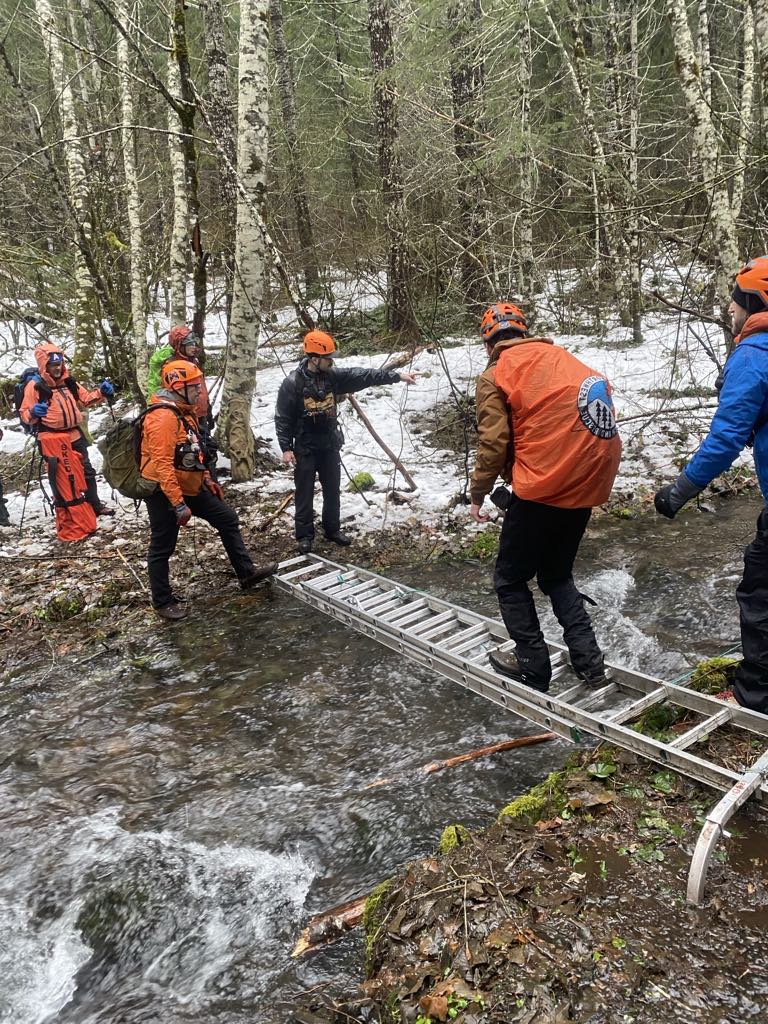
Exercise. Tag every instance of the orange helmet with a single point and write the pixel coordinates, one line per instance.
(318, 343)
(177, 373)
(501, 316)
(752, 279)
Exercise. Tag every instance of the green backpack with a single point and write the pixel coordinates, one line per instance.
(121, 451)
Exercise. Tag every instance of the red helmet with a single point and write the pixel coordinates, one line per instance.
(177, 373)
(501, 316)
(753, 279)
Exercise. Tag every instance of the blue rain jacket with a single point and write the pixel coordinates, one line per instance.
(743, 409)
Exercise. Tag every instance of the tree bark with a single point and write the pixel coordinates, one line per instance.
(723, 228)
(220, 107)
(400, 317)
(187, 117)
(250, 251)
(179, 249)
(344, 102)
(138, 254)
(297, 182)
(528, 278)
(633, 216)
(467, 73)
(85, 306)
(745, 111)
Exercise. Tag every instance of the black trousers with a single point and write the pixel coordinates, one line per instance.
(542, 541)
(751, 685)
(4, 518)
(91, 490)
(165, 533)
(326, 463)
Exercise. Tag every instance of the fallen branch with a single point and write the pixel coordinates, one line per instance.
(279, 511)
(472, 755)
(695, 313)
(329, 926)
(381, 443)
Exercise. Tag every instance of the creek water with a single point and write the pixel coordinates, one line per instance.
(173, 810)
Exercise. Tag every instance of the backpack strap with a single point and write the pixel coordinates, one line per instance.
(138, 424)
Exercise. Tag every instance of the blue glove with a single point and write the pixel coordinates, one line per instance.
(670, 499)
(40, 409)
(107, 389)
(183, 513)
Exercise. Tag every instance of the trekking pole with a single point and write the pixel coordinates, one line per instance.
(29, 484)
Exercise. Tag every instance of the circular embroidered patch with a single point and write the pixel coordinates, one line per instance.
(595, 407)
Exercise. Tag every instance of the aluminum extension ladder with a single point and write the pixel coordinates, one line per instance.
(455, 642)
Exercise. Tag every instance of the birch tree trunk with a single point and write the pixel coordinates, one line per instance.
(179, 249)
(400, 316)
(528, 281)
(297, 182)
(760, 15)
(467, 75)
(250, 249)
(633, 217)
(723, 227)
(220, 107)
(745, 112)
(85, 305)
(138, 254)
(187, 117)
(705, 54)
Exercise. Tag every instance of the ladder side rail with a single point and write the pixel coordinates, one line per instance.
(751, 781)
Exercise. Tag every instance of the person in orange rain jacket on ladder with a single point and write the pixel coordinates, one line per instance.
(51, 409)
(546, 422)
(173, 457)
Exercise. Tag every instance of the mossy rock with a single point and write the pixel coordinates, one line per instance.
(484, 545)
(714, 675)
(545, 800)
(373, 918)
(61, 607)
(111, 595)
(453, 836)
(361, 482)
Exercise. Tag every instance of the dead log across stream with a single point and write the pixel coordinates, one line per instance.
(328, 927)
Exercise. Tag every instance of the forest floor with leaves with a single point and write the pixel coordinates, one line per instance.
(570, 907)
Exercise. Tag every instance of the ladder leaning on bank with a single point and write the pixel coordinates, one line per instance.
(456, 642)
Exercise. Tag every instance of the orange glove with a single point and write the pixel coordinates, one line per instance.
(214, 487)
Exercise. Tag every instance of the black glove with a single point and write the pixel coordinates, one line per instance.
(501, 497)
(671, 498)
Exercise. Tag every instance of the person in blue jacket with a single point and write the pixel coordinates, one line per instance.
(741, 419)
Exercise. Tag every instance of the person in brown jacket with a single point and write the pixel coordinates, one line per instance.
(172, 456)
(546, 424)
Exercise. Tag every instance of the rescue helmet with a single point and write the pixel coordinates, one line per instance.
(178, 335)
(502, 316)
(177, 373)
(318, 343)
(751, 291)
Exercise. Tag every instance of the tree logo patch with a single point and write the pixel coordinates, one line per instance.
(595, 407)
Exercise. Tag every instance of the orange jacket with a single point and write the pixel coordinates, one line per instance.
(560, 421)
(63, 408)
(161, 432)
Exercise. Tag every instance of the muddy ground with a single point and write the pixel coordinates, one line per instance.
(571, 907)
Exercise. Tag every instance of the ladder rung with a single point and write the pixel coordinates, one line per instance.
(638, 706)
(702, 730)
(423, 630)
(295, 573)
(415, 614)
(472, 643)
(328, 579)
(358, 588)
(405, 609)
(594, 696)
(384, 609)
(476, 629)
(371, 601)
(343, 586)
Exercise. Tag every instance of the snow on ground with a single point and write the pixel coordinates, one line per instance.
(657, 432)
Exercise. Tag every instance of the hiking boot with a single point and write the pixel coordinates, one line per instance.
(304, 545)
(260, 573)
(104, 510)
(596, 682)
(339, 538)
(506, 663)
(172, 612)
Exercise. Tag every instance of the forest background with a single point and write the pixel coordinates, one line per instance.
(178, 157)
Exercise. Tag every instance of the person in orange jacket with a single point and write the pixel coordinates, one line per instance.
(546, 424)
(172, 456)
(53, 404)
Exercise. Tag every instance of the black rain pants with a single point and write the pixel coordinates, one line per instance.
(542, 541)
(751, 685)
(326, 463)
